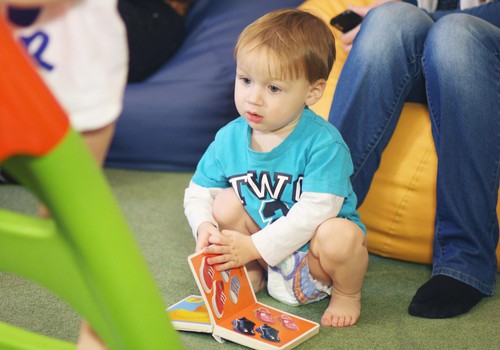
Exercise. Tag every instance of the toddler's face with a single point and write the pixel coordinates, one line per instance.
(267, 101)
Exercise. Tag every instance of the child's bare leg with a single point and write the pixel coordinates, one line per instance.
(338, 255)
(231, 215)
(98, 141)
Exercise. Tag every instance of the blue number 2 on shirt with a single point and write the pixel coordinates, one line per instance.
(269, 210)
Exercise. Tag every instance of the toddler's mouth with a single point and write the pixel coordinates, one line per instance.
(254, 118)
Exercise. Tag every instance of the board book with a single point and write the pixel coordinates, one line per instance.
(190, 314)
(234, 312)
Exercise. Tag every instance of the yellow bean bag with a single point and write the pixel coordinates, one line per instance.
(400, 206)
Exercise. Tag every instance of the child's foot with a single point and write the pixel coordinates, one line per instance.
(444, 297)
(343, 310)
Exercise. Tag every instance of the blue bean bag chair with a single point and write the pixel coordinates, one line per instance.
(170, 119)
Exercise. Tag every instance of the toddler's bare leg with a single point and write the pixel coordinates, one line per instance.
(230, 214)
(98, 141)
(338, 255)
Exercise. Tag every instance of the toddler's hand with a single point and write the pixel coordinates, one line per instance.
(205, 230)
(233, 249)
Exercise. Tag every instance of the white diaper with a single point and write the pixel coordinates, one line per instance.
(290, 282)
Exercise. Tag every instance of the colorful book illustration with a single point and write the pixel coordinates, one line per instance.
(190, 314)
(234, 312)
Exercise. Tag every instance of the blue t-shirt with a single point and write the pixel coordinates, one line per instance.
(313, 158)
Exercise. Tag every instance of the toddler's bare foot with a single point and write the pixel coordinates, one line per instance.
(343, 310)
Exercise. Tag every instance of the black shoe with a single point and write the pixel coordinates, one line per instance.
(269, 333)
(243, 325)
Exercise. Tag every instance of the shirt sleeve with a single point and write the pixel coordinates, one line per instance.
(287, 234)
(198, 202)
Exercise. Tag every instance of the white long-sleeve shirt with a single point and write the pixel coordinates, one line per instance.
(279, 239)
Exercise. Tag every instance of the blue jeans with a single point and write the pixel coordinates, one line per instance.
(454, 66)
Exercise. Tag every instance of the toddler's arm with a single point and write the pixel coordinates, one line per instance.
(278, 240)
(287, 234)
(198, 203)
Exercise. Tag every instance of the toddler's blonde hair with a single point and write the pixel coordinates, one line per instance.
(296, 43)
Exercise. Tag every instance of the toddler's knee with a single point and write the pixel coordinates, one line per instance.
(226, 207)
(340, 242)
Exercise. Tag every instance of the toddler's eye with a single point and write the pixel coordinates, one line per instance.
(246, 81)
(274, 88)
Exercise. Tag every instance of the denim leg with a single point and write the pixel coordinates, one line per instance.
(381, 69)
(462, 73)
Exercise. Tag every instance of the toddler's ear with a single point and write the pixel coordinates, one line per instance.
(316, 92)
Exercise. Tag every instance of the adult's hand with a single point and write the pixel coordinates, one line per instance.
(348, 38)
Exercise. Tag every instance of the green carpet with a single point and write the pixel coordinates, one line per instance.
(152, 204)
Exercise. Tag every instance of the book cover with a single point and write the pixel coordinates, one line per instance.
(190, 314)
(237, 316)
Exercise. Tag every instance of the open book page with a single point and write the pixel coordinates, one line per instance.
(237, 315)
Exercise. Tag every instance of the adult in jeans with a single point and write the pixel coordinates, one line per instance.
(449, 59)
